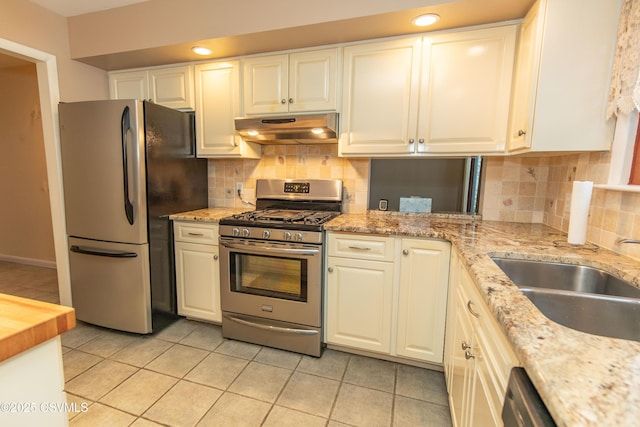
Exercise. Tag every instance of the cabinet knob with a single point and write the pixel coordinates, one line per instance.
(465, 346)
(283, 101)
(330, 269)
(215, 257)
(411, 141)
(290, 100)
(468, 355)
(405, 252)
(521, 132)
(421, 141)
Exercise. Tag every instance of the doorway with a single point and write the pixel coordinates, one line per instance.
(48, 94)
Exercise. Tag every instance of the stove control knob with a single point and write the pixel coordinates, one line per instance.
(299, 237)
(287, 235)
(266, 234)
(236, 232)
(245, 232)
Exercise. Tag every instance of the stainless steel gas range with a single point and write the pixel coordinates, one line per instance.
(271, 264)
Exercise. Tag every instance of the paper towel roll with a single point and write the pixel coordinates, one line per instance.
(579, 213)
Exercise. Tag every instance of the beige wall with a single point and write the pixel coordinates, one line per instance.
(25, 219)
(30, 25)
(538, 190)
(169, 22)
(289, 161)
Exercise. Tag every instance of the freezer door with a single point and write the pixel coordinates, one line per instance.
(103, 168)
(110, 284)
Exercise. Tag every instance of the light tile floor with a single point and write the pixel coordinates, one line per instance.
(188, 375)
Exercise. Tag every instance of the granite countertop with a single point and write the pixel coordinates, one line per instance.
(25, 323)
(207, 214)
(584, 379)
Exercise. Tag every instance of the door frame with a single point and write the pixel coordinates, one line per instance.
(49, 92)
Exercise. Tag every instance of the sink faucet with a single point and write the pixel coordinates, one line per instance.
(623, 240)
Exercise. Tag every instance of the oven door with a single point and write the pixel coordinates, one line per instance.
(273, 280)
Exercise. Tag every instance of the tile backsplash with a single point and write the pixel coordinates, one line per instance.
(288, 161)
(515, 189)
(538, 190)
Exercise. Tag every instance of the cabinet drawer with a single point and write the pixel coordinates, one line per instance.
(361, 246)
(194, 232)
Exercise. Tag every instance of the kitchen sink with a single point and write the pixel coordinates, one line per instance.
(565, 277)
(582, 298)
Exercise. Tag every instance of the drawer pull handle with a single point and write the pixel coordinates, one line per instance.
(360, 248)
(477, 315)
(468, 355)
(215, 257)
(195, 234)
(465, 346)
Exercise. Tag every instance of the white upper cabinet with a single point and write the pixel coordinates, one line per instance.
(217, 105)
(447, 93)
(297, 82)
(129, 84)
(168, 86)
(466, 89)
(562, 77)
(380, 97)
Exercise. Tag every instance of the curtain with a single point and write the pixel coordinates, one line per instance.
(624, 94)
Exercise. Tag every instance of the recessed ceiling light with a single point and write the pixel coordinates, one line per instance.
(426, 20)
(201, 50)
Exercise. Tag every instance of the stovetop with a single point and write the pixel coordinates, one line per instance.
(281, 218)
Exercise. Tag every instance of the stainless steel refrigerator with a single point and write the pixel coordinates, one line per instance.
(126, 166)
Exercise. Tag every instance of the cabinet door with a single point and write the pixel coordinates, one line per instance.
(172, 87)
(449, 338)
(129, 85)
(380, 97)
(198, 281)
(465, 94)
(266, 84)
(422, 299)
(312, 80)
(217, 105)
(359, 302)
(524, 85)
(461, 369)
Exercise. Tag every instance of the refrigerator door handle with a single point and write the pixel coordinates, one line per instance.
(125, 127)
(102, 252)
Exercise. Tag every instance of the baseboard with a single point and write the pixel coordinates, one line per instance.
(28, 261)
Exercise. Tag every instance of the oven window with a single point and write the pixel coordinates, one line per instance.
(269, 276)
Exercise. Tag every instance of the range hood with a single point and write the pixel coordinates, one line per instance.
(290, 129)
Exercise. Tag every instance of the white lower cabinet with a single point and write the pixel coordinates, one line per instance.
(197, 270)
(387, 295)
(478, 357)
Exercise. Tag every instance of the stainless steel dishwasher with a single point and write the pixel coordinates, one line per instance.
(523, 406)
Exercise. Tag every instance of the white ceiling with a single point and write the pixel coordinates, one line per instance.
(78, 7)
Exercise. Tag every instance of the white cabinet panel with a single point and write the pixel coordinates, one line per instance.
(464, 106)
(359, 304)
(447, 93)
(380, 97)
(168, 86)
(422, 299)
(387, 294)
(217, 105)
(197, 270)
(296, 82)
(562, 75)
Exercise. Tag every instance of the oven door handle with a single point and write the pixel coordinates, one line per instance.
(271, 250)
(270, 327)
